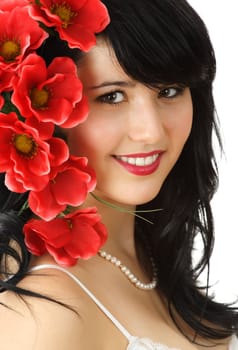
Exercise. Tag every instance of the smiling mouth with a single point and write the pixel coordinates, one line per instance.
(139, 161)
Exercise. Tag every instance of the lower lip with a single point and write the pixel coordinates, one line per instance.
(141, 170)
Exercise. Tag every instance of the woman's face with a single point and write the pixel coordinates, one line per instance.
(133, 135)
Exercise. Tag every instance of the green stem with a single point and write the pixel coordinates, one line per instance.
(24, 207)
(135, 213)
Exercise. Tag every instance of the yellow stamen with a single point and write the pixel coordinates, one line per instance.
(64, 12)
(39, 98)
(9, 50)
(25, 145)
(70, 223)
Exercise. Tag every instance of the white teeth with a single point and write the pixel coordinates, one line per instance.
(131, 161)
(149, 160)
(139, 161)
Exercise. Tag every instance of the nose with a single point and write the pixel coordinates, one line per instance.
(145, 123)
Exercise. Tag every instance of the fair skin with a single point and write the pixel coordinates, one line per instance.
(138, 122)
(127, 119)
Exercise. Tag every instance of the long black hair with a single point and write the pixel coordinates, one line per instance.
(165, 41)
(12, 247)
(159, 41)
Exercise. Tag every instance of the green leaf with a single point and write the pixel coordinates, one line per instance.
(8, 106)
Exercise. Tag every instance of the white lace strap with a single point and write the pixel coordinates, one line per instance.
(91, 295)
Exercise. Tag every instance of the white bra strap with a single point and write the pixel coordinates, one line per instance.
(91, 295)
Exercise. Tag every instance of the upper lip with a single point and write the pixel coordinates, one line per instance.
(140, 155)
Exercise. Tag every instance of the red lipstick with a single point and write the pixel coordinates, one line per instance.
(140, 164)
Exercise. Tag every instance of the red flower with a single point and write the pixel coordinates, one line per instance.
(70, 183)
(26, 159)
(49, 93)
(75, 20)
(77, 235)
(19, 35)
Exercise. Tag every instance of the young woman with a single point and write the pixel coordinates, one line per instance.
(148, 137)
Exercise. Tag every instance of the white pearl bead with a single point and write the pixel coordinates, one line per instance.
(129, 274)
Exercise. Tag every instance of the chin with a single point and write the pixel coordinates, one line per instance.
(137, 199)
(128, 195)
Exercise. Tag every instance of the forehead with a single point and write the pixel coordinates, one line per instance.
(100, 64)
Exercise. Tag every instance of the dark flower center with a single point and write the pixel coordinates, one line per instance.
(64, 12)
(25, 145)
(9, 50)
(39, 98)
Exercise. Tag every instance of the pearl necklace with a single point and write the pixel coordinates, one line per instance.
(132, 278)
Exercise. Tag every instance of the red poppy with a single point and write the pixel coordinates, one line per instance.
(77, 235)
(16, 39)
(70, 184)
(49, 93)
(75, 20)
(25, 157)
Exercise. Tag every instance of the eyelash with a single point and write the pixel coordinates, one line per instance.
(108, 97)
(179, 91)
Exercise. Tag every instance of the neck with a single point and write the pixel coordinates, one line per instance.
(119, 223)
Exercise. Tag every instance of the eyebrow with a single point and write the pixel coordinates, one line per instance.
(113, 83)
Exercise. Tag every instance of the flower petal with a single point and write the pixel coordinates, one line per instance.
(88, 233)
(70, 187)
(33, 242)
(59, 151)
(13, 184)
(45, 129)
(61, 256)
(78, 115)
(43, 204)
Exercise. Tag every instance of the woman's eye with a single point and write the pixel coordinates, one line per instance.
(112, 97)
(171, 92)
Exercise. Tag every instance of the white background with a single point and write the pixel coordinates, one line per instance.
(222, 23)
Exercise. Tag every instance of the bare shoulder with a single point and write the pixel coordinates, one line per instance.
(36, 323)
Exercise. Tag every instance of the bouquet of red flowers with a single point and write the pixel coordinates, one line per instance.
(34, 100)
